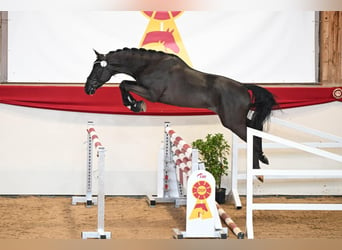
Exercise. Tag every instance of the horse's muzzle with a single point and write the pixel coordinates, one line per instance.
(90, 87)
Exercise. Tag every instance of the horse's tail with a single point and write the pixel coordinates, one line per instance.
(262, 103)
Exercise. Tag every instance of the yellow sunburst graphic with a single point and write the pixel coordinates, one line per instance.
(162, 34)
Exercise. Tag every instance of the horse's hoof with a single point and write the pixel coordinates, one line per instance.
(264, 159)
(260, 178)
(143, 107)
(139, 106)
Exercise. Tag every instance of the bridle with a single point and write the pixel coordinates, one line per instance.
(103, 63)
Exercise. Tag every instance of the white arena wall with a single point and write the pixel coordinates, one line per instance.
(43, 152)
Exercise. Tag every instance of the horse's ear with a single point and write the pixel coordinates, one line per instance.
(97, 53)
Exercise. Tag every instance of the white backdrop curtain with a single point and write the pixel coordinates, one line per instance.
(248, 46)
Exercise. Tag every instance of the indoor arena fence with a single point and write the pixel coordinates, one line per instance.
(326, 140)
(312, 149)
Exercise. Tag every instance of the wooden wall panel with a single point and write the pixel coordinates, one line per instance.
(3, 45)
(330, 48)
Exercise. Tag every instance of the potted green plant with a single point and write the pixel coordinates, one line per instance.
(214, 151)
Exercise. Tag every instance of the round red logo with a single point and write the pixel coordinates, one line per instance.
(201, 190)
(337, 93)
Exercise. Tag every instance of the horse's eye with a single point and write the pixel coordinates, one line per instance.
(103, 63)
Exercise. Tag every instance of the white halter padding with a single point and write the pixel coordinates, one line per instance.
(103, 63)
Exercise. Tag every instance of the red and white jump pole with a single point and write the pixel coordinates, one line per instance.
(182, 156)
(229, 222)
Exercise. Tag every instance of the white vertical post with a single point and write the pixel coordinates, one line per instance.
(249, 186)
(167, 160)
(194, 161)
(88, 199)
(169, 189)
(160, 176)
(89, 179)
(234, 172)
(101, 193)
(100, 234)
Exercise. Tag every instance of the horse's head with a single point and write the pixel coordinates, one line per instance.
(100, 74)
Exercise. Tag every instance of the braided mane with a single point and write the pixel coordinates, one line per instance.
(141, 51)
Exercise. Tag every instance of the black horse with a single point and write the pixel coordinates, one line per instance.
(165, 78)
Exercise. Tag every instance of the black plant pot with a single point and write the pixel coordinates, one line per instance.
(220, 195)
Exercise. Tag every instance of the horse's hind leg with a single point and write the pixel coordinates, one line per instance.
(258, 141)
(256, 148)
(237, 124)
(241, 130)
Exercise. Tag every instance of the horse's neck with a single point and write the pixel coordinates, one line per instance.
(131, 63)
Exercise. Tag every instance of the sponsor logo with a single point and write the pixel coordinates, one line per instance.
(162, 34)
(201, 190)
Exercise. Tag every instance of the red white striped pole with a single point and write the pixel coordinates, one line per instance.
(230, 223)
(94, 137)
(182, 155)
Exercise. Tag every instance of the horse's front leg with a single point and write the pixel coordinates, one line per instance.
(128, 100)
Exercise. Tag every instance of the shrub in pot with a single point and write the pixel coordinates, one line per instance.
(214, 151)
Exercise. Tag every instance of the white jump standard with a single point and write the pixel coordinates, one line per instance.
(88, 199)
(176, 162)
(93, 139)
(181, 179)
